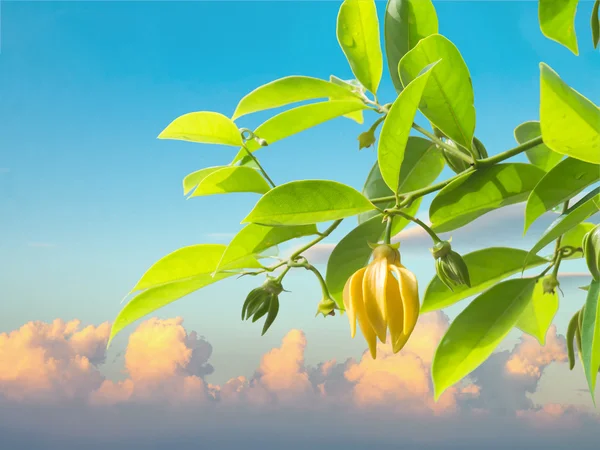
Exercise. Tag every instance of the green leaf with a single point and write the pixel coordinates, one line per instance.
(193, 179)
(584, 208)
(539, 313)
(351, 254)
(595, 23)
(356, 116)
(478, 330)
(231, 179)
(477, 193)
(590, 336)
(298, 119)
(567, 179)
(158, 296)
(557, 21)
(423, 162)
(185, 263)
(396, 129)
(486, 268)
(253, 239)
(286, 91)
(570, 123)
(307, 202)
(358, 36)
(205, 127)
(540, 155)
(406, 22)
(448, 100)
(574, 237)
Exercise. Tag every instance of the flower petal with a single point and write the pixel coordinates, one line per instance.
(359, 311)
(373, 287)
(353, 288)
(409, 291)
(394, 308)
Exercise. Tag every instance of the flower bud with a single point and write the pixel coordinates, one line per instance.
(591, 251)
(449, 266)
(550, 283)
(261, 142)
(263, 300)
(326, 307)
(458, 165)
(366, 139)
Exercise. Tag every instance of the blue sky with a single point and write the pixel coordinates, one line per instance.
(90, 198)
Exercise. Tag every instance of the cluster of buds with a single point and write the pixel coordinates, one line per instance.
(449, 266)
(263, 300)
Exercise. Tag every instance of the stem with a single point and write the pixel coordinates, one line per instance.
(322, 236)
(557, 251)
(388, 230)
(282, 274)
(322, 281)
(454, 151)
(510, 153)
(259, 166)
(429, 231)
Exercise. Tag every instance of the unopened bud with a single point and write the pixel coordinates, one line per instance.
(450, 266)
(550, 283)
(366, 139)
(263, 300)
(261, 142)
(591, 251)
(327, 307)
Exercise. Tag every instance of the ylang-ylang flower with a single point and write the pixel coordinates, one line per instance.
(384, 295)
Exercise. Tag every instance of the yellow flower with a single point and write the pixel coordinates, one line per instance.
(383, 295)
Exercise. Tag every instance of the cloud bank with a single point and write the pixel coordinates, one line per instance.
(51, 385)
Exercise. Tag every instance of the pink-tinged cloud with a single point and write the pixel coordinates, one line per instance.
(165, 370)
(48, 361)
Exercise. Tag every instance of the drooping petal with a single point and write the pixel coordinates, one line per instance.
(360, 312)
(409, 291)
(353, 288)
(394, 308)
(374, 283)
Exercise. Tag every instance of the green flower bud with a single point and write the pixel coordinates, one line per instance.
(550, 283)
(591, 251)
(327, 307)
(263, 300)
(366, 139)
(449, 266)
(457, 164)
(261, 142)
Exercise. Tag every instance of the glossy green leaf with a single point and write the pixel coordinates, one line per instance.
(406, 22)
(574, 237)
(253, 239)
(584, 208)
(540, 155)
(307, 202)
(477, 331)
(288, 90)
(480, 192)
(396, 129)
(158, 296)
(358, 36)
(486, 268)
(557, 21)
(448, 100)
(350, 254)
(356, 116)
(423, 162)
(298, 119)
(590, 335)
(193, 179)
(595, 23)
(232, 179)
(570, 123)
(185, 263)
(567, 179)
(205, 127)
(539, 313)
